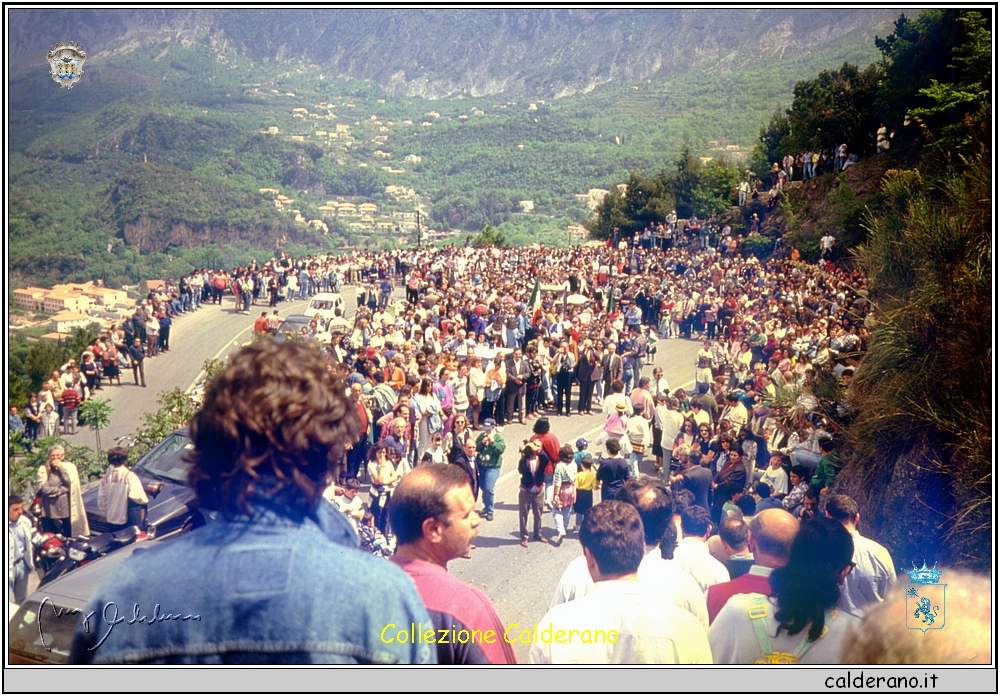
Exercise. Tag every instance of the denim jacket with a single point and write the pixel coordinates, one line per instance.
(271, 588)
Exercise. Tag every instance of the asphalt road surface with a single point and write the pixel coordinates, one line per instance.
(519, 581)
(213, 331)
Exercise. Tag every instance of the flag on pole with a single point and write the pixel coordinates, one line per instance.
(536, 296)
(611, 298)
(535, 303)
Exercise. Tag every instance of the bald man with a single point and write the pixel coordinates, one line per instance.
(433, 516)
(770, 541)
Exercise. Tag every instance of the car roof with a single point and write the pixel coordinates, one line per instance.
(299, 318)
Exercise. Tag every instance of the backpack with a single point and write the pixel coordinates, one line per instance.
(757, 608)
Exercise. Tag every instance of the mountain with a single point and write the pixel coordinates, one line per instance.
(440, 53)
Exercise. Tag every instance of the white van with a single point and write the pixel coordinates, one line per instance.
(325, 305)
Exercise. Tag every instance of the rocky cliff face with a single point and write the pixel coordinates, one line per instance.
(153, 234)
(439, 53)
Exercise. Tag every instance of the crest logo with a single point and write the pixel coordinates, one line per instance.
(925, 602)
(66, 60)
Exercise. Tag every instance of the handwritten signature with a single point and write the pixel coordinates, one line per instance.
(110, 617)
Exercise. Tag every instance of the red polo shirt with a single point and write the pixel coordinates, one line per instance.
(757, 579)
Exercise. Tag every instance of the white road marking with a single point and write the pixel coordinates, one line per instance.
(216, 357)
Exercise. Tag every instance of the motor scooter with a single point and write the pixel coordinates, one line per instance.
(80, 552)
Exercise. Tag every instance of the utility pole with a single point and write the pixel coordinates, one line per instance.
(418, 225)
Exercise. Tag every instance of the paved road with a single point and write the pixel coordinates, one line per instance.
(195, 336)
(521, 581)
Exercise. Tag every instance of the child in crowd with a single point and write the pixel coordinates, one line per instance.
(731, 507)
(581, 452)
(586, 482)
(372, 540)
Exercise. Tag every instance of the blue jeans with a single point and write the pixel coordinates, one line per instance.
(634, 462)
(627, 379)
(546, 389)
(809, 460)
(487, 481)
(69, 421)
(17, 583)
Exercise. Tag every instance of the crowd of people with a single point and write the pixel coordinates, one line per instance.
(738, 488)
(489, 336)
(654, 584)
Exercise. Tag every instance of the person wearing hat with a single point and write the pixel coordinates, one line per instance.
(531, 494)
(121, 497)
(581, 451)
(617, 422)
(489, 458)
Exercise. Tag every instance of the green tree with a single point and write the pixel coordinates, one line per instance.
(714, 192)
(42, 359)
(961, 106)
(686, 181)
(96, 413)
(837, 106)
(17, 391)
(772, 143)
(490, 236)
(611, 213)
(177, 408)
(919, 54)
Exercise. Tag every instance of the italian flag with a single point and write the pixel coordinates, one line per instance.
(535, 303)
(536, 296)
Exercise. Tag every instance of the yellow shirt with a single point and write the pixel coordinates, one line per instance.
(586, 480)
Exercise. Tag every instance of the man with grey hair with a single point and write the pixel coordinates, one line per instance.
(770, 541)
(874, 573)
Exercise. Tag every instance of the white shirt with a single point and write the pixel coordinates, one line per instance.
(671, 583)
(692, 555)
(672, 423)
(611, 400)
(871, 578)
(737, 415)
(734, 641)
(661, 386)
(118, 486)
(776, 479)
(649, 631)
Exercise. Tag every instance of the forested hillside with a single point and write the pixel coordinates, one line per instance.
(194, 93)
(915, 423)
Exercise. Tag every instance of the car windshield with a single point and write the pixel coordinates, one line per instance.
(48, 637)
(166, 459)
(322, 305)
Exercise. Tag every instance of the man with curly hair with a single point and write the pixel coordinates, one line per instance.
(275, 576)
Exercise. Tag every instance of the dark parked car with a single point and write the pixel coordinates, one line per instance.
(162, 467)
(41, 630)
(293, 325)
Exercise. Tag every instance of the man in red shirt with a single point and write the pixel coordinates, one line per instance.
(261, 325)
(433, 516)
(71, 405)
(771, 535)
